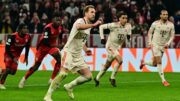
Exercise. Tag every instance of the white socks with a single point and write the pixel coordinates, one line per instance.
(100, 74)
(114, 72)
(55, 83)
(161, 73)
(79, 80)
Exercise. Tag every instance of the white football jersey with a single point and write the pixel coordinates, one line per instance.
(161, 32)
(117, 34)
(77, 38)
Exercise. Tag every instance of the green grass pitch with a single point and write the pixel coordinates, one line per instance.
(130, 87)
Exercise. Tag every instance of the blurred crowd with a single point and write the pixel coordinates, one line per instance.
(37, 13)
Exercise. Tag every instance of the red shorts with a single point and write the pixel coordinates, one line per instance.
(43, 51)
(10, 63)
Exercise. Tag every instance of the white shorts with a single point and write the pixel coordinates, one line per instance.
(73, 63)
(157, 50)
(112, 53)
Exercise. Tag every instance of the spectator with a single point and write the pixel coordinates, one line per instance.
(72, 10)
(35, 26)
(177, 22)
(6, 27)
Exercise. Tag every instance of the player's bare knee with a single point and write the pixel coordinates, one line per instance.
(88, 76)
(159, 61)
(154, 63)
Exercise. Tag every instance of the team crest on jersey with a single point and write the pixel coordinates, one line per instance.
(9, 40)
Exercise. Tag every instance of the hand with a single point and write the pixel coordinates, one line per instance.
(103, 41)
(98, 22)
(166, 45)
(88, 52)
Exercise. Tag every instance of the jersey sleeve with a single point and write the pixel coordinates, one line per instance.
(172, 34)
(47, 33)
(151, 31)
(79, 21)
(105, 26)
(9, 42)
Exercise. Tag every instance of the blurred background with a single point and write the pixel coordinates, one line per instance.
(37, 13)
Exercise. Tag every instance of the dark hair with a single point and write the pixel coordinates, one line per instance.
(86, 8)
(163, 11)
(56, 14)
(20, 27)
(119, 14)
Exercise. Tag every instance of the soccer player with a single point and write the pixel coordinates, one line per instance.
(72, 59)
(48, 45)
(119, 32)
(14, 46)
(161, 34)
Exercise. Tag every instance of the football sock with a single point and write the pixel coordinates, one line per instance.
(161, 73)
(115, 70)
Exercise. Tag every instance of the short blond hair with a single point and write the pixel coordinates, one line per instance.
(86, 8)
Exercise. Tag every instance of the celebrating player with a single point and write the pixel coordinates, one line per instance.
(14, 46)
(72, 59)
(161, 34)
(119, 32)
(48, 45)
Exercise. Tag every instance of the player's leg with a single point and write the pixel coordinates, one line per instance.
(3, 77)
(55, 83)
(102, 72)
(115, 70)
(55, 52)
(40, 54)
(1, 70)
(160, 70)
(152, 62)
(66, 59)
(28, 74)
(85, 76)
(11, 67)
(110, 59)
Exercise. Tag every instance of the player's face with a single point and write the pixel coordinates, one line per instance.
(57, 21)
(90, 14)
(164, 15)
(123, 19)
(24, 30)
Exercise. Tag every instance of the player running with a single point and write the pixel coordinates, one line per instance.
(14, 46)
(161, 34)
(48, 45)
(119, 32)
(72, 59)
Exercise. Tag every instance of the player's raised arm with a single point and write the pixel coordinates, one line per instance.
(89, 13)
(81, 26)
(150, 32)
(172, 34)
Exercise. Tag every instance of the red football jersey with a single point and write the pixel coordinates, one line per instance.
(51, 34)
(17, 43)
